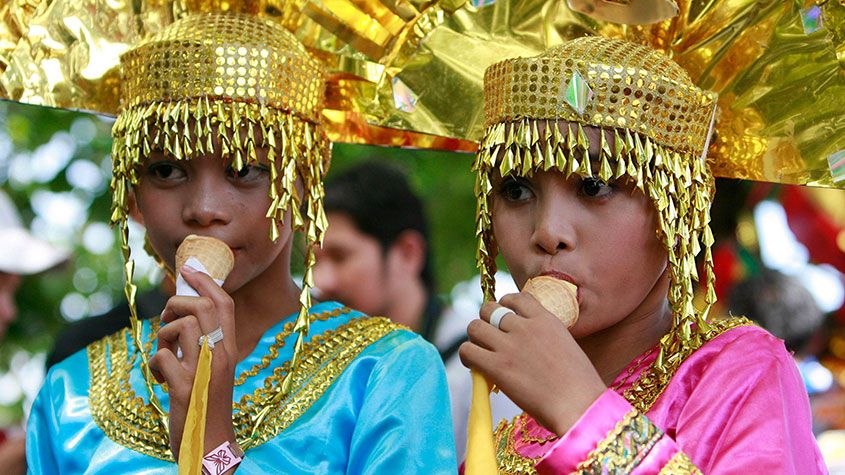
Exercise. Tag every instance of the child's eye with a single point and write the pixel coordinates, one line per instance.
(248, 172)
(514, 190)
(166, 171)
(595, 188)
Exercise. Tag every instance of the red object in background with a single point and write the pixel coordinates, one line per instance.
(2, 436)
(814, 229)
(727, 269)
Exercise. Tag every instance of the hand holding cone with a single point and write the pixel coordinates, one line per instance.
(216, 260)
(560, 298)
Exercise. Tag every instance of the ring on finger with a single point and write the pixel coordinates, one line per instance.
(497, 315)
(216, 336)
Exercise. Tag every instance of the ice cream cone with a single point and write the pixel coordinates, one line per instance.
(213, 253)
(559, 297)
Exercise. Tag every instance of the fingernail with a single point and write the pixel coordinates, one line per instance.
(187, 268)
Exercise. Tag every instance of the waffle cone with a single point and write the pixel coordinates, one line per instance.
(214, 254)
(557, 296)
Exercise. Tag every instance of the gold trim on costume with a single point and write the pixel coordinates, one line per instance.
(509, 461)
(624, 447)
(130, 421)
(680, 464)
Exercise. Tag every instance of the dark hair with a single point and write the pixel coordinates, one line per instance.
(379, 200)
(780, 304)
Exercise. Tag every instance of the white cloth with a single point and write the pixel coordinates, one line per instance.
(182, 287)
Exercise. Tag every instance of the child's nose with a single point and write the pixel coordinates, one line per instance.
(206, 206)
(553, 229)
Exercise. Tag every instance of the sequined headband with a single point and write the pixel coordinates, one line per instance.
(653, 127)
(604, 83)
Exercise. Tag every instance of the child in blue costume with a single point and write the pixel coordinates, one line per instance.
(219, 130)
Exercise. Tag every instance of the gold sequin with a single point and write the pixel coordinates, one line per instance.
(636, 88)
(680, 464)
(237, 57)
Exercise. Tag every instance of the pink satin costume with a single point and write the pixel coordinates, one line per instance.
(736, 405)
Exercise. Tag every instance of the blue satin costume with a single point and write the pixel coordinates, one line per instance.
(374, 401)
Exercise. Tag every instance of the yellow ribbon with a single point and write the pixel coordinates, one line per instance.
(481, 453)
(193, 436)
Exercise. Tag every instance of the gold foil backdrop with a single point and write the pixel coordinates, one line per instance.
(777, 66)
(406, 73)
(65, 53)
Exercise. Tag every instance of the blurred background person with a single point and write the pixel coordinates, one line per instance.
(376, 258)
(782, 305)
(21, 254)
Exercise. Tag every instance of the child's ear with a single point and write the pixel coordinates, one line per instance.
(134, 212)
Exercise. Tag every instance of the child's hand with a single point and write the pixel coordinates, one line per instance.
(188, 318)
(533, 358)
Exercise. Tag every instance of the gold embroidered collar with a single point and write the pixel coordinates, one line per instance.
(131, 422)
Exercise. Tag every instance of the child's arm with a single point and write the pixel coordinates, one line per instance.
(405, 423)
(612, 435)
(747, 412)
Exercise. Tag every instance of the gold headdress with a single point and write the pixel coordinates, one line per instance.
(234, 82)
(654, 128)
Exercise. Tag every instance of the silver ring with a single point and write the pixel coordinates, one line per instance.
(215, 336)
(498, 314)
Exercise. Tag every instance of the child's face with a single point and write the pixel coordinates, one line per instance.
(601, 237)
(206, 196)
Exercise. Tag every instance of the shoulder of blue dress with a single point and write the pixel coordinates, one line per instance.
(330, 315)
(73, 368)
(344, 318)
